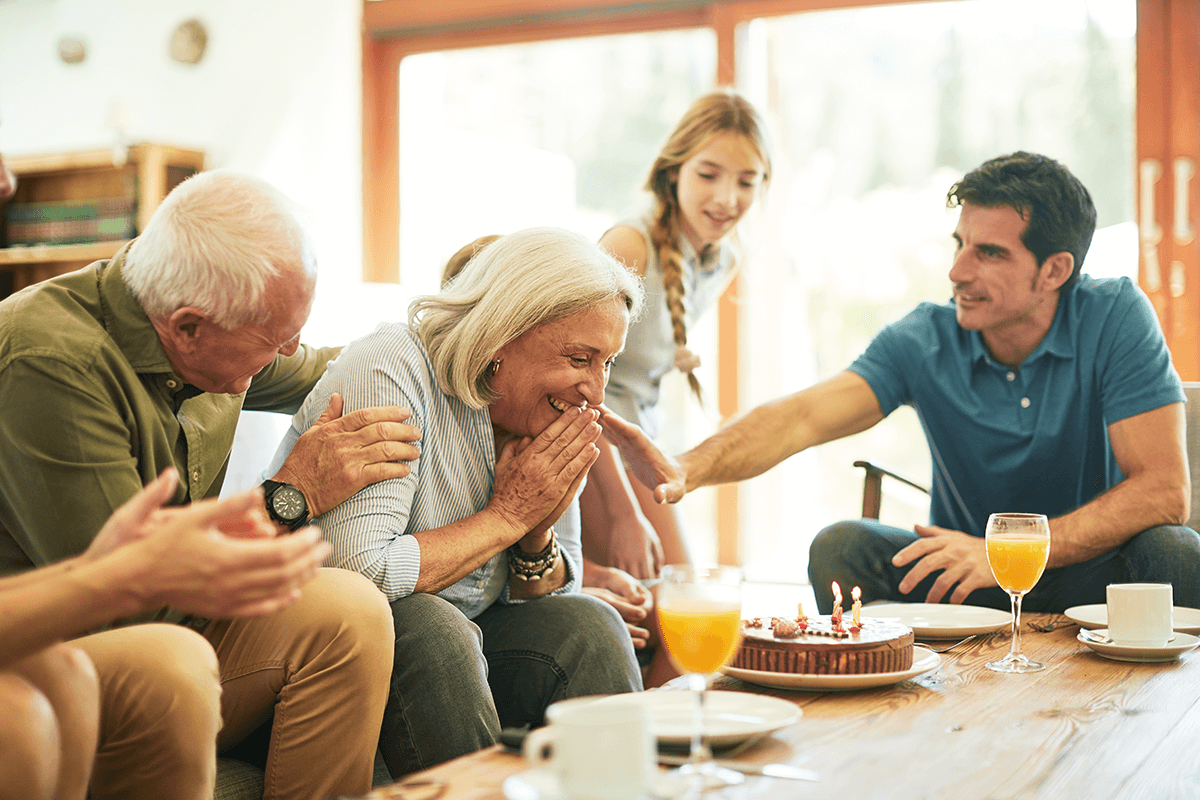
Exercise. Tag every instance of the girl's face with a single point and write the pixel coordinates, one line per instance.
(716, 187)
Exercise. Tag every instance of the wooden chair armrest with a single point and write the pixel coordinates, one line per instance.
(873, 487)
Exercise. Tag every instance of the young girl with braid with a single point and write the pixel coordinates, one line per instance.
(706, 177)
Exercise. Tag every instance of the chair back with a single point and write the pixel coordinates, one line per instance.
(1192, 409)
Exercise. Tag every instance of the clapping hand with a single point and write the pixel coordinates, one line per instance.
(183, 557)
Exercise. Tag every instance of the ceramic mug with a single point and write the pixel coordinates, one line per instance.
(598, 750)
(1139, 614)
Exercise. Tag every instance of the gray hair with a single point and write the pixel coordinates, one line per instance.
(216, 242)
(520, 281)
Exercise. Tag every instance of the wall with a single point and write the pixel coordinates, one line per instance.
(277, 94)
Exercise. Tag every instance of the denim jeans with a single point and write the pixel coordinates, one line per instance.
(456, 682)
(859, 553)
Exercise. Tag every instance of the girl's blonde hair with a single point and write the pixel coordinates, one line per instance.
(722, 111)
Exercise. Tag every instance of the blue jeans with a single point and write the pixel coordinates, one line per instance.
(859, 553)
(456, 682)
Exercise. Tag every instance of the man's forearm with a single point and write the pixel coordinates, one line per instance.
(59, 602)
(765, 436)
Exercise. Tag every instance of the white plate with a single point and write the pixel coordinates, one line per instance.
(923, 661)
(1095, 616)
(538, 784)
(729, 717)
(1123, 652)
(534, 784)
(941, 621)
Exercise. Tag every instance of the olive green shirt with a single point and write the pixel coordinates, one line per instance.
(91, 411)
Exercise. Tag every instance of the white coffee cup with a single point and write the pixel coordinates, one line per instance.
(598, 750)
(1139, 614)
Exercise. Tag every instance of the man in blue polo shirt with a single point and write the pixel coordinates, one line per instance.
(1039, 390)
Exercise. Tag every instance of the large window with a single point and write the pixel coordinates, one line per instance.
(877, 112)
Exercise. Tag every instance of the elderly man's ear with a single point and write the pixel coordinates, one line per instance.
(182, 329)
(8, 181)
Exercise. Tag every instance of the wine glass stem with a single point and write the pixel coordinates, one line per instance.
(700, 750)
(1015, 649)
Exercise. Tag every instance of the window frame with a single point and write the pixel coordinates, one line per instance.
(1167, 129)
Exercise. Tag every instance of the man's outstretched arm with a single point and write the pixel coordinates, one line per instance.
(752, 444)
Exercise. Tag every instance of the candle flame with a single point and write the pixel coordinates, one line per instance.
(837, 590)
(856, 593)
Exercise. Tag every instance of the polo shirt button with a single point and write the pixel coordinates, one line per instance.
(1012, 376)
(1025, 402)
(196, 472)
(171, 384)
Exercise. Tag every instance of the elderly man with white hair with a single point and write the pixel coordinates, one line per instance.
(109, 375)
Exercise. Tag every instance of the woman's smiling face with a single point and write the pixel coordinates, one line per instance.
(557, 365)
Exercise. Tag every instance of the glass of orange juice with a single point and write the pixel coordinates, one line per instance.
(700, 614)
(1018, 546)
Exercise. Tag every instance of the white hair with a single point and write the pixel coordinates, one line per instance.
(520, 281)
(215, 243)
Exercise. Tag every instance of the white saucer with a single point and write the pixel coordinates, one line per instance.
(923, 661)
(1095, 616)
(729, 717)
(1121, 652)
(941, 620)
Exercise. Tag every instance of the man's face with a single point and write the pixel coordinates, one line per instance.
(225, 361)
(998, 286)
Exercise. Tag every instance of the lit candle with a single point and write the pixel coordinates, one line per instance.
(856, 593)
(836, 616)
(799, 609)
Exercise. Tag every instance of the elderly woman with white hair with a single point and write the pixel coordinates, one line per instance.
(478, 549)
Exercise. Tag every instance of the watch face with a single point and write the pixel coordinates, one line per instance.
(288, 503)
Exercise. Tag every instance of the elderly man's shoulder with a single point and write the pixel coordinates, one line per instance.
(59, 318)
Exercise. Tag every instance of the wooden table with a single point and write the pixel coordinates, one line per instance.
(1086, 727)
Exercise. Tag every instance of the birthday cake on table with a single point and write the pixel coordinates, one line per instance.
(824, 645)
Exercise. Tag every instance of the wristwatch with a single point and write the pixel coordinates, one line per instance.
(285, 504)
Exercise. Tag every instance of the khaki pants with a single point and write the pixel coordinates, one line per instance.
(321, 666)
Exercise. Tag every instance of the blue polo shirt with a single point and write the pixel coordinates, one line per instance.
(1031, 439)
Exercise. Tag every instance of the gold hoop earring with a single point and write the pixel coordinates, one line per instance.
(494, 367)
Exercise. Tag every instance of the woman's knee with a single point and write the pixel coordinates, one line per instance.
(29, 740)
(65, 674)
(587, 639)
(432, 629)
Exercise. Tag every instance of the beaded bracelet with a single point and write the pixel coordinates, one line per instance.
(533, 566)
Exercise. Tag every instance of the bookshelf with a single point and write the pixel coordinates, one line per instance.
(135, 178)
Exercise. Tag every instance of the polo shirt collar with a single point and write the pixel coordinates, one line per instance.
(1059, 341)
(125, 320)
